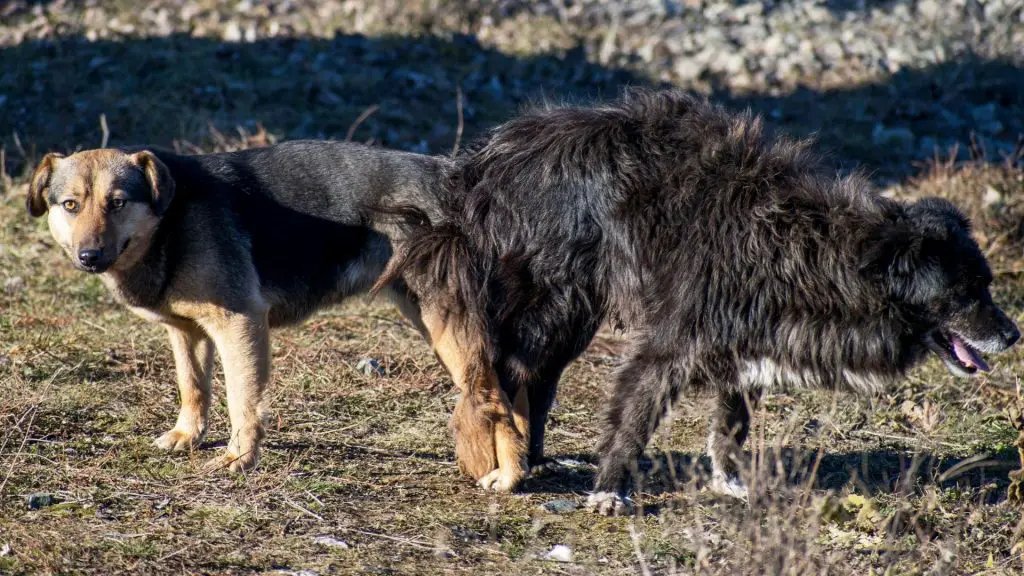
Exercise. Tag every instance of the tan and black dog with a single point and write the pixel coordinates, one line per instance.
(219, 248)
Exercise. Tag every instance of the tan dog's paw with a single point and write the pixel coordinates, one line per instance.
(232, 463)
(178, 440)
(501, 480)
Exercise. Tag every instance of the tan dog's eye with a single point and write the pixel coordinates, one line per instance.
(117, 203)
(70, 205)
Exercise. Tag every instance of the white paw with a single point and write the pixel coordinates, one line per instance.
(728, 486)
(500, 480)
(609, 504)
(178, 440)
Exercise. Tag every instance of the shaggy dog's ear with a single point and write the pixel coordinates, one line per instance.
(937, 215)
(892, 252)
(159, 178)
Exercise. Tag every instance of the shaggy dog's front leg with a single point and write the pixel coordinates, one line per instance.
(730, 425)
(645, 389)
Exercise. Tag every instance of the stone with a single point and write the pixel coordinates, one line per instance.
(370, 367)
(331, 542)
(40, 500)
(559, 506)
(559, 553)
(897, 136)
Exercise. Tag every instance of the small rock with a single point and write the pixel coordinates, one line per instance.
(928, 8)
(928, 145)
(559, 553)
(984, 113)
(331, 542)
(951, 119)
(900, 136)
(370, 367)
(833, 52)
(14, 284)
(559, 506)
(444, 554)
(5, 550)
(40, 500)
(232, 32)
(734, 63)
(992, 197)
(994, 127)
(688, 69)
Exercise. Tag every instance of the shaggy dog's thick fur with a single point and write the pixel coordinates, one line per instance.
(734, 261)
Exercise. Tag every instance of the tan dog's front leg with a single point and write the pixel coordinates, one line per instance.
(193, 362)
(243, 342)
(490, 434)
(511, 439)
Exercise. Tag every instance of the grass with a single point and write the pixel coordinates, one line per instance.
(911, 482)
(893, 484)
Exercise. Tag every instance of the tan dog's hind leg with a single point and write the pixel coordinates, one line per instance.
(488, 445)
(243, 342)
(193, 362)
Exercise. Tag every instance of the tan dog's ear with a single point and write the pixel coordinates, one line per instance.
(159, 177)
(38, 185)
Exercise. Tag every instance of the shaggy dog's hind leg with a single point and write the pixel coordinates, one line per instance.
(730, 425)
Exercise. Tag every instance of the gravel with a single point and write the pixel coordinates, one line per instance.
(882, 82)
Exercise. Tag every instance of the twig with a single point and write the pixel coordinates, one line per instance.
(3, 171)
(21, 149)
(105, 129)
(362, 117)
(906, 439)
(636, 550)
(967, 465)
(458, 129)
(171, 555)
(303, 510)
(409, 541)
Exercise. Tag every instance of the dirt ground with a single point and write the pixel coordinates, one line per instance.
(358, 474)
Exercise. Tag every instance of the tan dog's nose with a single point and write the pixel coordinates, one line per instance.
(89, 257)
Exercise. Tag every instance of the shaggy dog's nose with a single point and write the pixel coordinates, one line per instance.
(89, 257)
(1011, 335)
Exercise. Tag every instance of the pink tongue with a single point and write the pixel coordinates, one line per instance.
(967, 355)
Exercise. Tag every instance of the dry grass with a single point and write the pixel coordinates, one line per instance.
(914, 481)
(909, 482)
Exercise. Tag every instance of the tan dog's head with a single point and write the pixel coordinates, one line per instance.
(103, 205)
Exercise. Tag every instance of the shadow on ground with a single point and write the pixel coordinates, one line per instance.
(869, 472)
(180, 88)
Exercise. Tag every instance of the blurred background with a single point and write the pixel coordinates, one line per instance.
(358, 474)
(883, 83)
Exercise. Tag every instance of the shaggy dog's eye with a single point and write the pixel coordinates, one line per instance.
(117, 203)
(70, 205)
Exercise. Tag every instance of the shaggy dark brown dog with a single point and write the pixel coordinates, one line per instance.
(734, 261)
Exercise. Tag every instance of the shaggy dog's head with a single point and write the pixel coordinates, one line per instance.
(939, 280)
